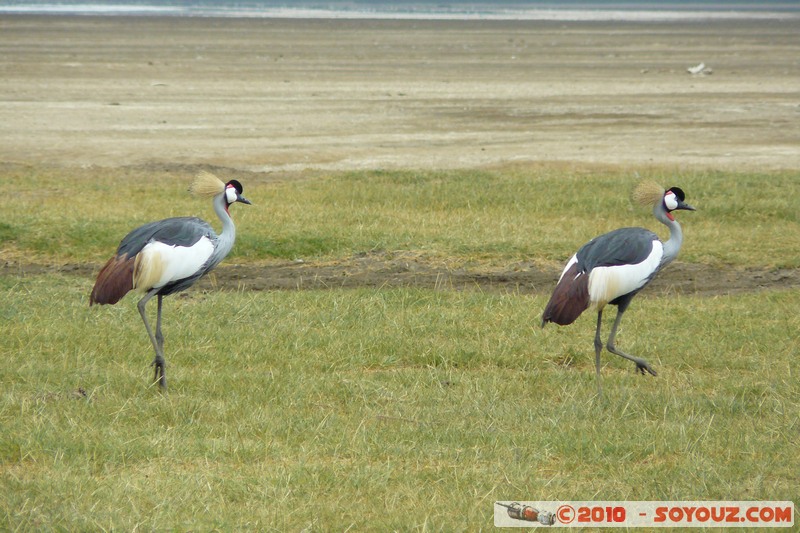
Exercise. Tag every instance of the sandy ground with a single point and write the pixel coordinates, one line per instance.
(280, 96)
(277, 95)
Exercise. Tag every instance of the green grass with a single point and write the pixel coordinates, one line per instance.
(518, 213)
(387, 409)
(381, 409)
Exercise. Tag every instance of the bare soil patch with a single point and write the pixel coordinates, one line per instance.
(381, 270)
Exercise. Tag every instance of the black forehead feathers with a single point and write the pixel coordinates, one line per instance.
(678, 192)
(236, 185)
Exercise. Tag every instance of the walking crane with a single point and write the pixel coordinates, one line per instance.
(614, 267)
(168, 256)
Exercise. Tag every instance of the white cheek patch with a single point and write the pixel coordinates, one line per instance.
(670, 201)
(230, 194)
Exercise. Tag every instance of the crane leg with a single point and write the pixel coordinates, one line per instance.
(158, 346)
(641, 364)
(598, 347)
(160, 371)
(159, 335)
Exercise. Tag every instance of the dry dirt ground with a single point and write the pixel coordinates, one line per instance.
(381, 270)
(277, 97)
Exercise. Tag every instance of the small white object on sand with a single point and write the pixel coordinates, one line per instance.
(699, 69)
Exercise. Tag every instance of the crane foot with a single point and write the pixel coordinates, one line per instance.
(160, 374)
(642, 366)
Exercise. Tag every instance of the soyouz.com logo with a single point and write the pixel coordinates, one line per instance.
(644, 514)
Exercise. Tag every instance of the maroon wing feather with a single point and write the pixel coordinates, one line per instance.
(114, 280)
(570, 298)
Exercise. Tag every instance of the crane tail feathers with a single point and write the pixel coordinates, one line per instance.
(570, 298)
(114, 281)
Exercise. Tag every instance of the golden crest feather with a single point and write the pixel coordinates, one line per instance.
(206, 184)
(647, 193)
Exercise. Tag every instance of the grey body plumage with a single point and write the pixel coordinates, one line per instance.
(624, 246)
(178, 231)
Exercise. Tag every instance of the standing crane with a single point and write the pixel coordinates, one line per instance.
(614, 267)
(168, 256)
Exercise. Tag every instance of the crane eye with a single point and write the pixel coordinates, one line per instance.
(670, 201)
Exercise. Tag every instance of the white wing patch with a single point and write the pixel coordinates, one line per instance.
(572, 261)
(159, 264)
(610, 282)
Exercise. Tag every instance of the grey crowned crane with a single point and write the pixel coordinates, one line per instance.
(168, 256)
(614, 267)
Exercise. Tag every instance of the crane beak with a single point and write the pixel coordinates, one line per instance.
(684, 205)
(240, 198)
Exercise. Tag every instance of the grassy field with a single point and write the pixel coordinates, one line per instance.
(540, 213)
(387, 409)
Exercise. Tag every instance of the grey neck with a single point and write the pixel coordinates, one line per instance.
(673, 245)
(227, 235)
